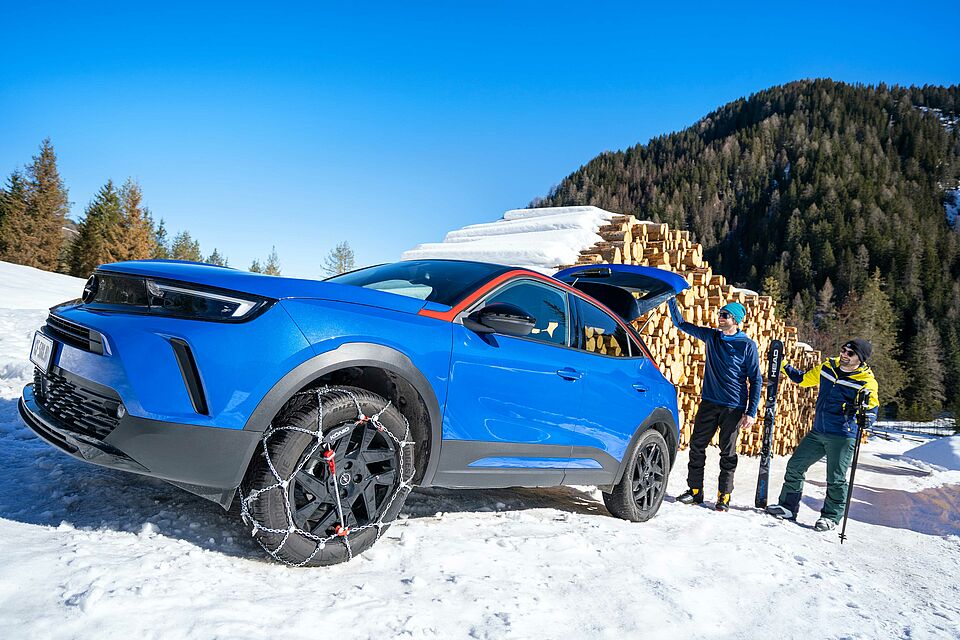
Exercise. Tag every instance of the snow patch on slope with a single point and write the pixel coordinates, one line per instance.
(29, 288)
(943, 452)
(540, 239)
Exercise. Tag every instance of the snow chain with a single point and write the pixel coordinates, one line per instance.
(342, 532)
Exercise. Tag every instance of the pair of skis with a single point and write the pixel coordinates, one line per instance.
(774, 362)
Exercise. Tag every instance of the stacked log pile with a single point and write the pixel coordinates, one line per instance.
(682, 358)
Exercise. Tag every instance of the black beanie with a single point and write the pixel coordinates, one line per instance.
(861, 347)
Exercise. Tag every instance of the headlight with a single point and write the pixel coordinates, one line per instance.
(133, 294)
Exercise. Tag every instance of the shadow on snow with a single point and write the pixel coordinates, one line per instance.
(40, 485)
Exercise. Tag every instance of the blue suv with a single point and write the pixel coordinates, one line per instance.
(318, 404)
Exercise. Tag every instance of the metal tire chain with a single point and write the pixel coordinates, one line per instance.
(281, 483)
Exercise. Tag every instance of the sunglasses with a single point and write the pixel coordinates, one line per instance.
(847, 352)
(724, 315)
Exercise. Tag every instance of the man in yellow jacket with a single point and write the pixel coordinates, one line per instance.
(834, 432)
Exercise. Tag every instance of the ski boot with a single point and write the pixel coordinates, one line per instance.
(825, 524)
(723, 501)
(780, 512)
(691, 496)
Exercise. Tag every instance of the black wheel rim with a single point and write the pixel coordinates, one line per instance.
(649, 477)
(366, 478)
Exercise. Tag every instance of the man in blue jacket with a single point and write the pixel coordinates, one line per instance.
(834, 432)
(726, 401)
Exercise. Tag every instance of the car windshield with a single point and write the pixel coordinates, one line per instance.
(442, 281)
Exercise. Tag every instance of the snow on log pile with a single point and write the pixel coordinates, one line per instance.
(626, 240)
(537, 239)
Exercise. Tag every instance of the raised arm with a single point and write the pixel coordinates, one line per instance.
(809, 378)
(700, 333)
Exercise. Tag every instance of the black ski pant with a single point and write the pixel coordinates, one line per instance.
(709, 418)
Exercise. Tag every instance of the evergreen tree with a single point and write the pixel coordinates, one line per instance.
(216, 258)
(184, 247)
(927, 389)
(161, 245)
(870, 316)
(339, 260)
(138, 233)
(100, 235)
(14, 246)
(47, 210)
(272, 268)
(34, 211)
(825, 317)
(255, 267)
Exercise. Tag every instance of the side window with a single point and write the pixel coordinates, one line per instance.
(544, 303)
(601, 333)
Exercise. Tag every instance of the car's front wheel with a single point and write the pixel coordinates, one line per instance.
(333, 471)
(638, 495)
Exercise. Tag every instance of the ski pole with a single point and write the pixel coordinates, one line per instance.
(863, 399)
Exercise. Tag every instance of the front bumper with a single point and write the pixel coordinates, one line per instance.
(207, 461)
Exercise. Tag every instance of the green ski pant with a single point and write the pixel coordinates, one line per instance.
(814, 446)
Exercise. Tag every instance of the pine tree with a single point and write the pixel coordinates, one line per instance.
(772, 287)
(272, 268)
(35, 209)
(184, 247)
(217, 259)
(139, 235)
(870, 316)
(13, 220)
(339, 260)
(99, 239)
(927, 388)
(255, 267)
(825, 317)
(47, 210)
(161, 245)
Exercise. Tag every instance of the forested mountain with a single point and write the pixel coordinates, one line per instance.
(806, 190)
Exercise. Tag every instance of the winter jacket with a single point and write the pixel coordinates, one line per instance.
(731, 362)
(837, 401)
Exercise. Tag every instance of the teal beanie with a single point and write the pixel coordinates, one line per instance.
(736, 310)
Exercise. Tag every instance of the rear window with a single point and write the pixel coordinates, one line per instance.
(441, 281)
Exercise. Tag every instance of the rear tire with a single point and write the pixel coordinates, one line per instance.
(638, 495)
(290, 497)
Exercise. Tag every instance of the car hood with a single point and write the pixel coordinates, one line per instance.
(630, 291)
(275, 287)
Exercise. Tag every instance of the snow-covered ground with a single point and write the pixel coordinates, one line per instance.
(540, 239)
(90, 553)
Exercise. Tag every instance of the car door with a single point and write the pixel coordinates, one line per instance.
(622, 385)
(513, 404)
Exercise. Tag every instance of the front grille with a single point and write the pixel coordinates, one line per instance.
(74, 334)
(78, 407)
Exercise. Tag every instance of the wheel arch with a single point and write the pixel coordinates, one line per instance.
(661, 420)
(374, 367)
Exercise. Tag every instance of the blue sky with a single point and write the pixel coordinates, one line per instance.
(387, 125)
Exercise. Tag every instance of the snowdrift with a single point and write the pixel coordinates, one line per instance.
(942, 452)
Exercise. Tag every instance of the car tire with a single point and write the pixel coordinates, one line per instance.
(293, 498)
(638, 495)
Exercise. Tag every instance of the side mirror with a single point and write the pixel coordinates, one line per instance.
(501, 317)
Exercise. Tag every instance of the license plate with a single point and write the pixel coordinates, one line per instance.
(41, 354)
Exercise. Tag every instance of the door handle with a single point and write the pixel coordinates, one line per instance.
(569, 374)
(640, 388)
